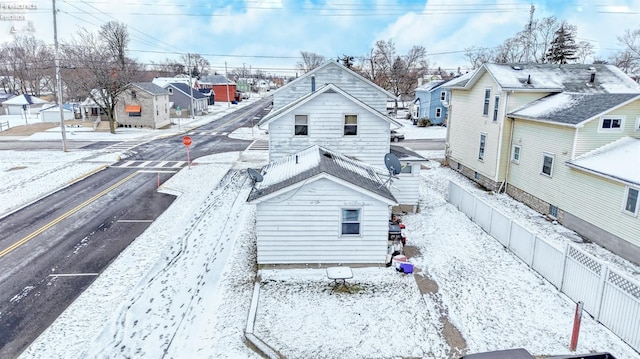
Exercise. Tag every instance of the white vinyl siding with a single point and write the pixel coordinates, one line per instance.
(335, 74)
(591, 136)
(406, 189)
(327, 127)
(314, 235)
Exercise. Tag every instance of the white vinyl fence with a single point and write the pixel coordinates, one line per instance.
(610, 297)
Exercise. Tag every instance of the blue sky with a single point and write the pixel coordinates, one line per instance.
(269, 34)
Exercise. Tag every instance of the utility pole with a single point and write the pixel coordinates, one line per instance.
(226, 80)
(58, 80)
(190, 84)
(529, 29)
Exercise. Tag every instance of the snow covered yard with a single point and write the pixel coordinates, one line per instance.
(184, 287)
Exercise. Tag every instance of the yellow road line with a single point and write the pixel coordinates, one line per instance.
(64, 216)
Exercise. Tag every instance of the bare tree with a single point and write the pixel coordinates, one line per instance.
(542, 34)
(584, 50)
(478, 56)
(310, 61)
(101, 69)
(196, 64)
(628, 60)
(27, 67)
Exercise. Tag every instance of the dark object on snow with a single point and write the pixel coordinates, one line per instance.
(519, 353)
(585, 356)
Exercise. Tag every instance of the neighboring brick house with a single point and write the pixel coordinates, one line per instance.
(143, 104)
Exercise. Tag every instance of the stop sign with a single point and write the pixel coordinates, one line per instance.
(186, 140)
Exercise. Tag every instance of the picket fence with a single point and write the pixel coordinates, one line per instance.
(609, 296)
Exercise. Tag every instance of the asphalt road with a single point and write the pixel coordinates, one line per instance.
(52, 250)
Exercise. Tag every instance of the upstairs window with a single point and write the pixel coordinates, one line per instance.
(438, 112)
(631, 201)
(547, 164)
(134, 95)
(483, 141)
(350, 125)
(611, 124)
(487, 99)
(301, 127)
(350, 222)
(443, 96)
(496, 106)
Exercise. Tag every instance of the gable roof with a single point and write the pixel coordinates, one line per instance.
(328, 88)
(430, 86)
(24, 99)
(216, 80)
(614, 160)
(150, 87)
(331, 63)
(554, 78)
(572, 108)
(405, 154)
(186, 90)
(315, 163)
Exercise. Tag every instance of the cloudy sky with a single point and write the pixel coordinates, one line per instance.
(269, 34)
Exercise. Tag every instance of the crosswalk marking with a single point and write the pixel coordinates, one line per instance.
(207, 133)
(151, 164)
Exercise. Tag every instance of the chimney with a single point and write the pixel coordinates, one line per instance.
(529, 80)
(592, 79)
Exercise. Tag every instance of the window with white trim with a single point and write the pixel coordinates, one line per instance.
(438, 112)
(631, 200)
(515, 153)
(547, 164)
(496, 105)
(487, 99)
(350, 221)
(483, 142)
(301, 126)
(443, 96)
(406, 168)
(611, 124)
(350, 125)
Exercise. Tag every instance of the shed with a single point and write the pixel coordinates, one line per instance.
(52, 113)
(318, 206)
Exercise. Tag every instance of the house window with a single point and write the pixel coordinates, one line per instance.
(631, 200)
(515, 154)
(553, 211)
(547, 164)
(170, 91)
(483, 141)
(495, 108)
(406, 168)
(611, 124)
(350, 125)
(438, 112)
(313, 84)
(134, 95)
(350, 222)
(459, 166)
(443, 96)
(301, 127)
(487, 99)
(476, 175)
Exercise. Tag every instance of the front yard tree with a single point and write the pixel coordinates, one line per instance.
(28, 66)
(310, 60)
(563, 47)
(99, 66)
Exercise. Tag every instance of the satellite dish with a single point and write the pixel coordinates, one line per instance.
(393, 163)
(255, 175)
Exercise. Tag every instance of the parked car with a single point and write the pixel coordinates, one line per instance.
(396, 136)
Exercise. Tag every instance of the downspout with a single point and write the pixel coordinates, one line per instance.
(446, 137)
(506, 175)
(504, 114)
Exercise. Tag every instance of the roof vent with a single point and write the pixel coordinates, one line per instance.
(529, 79)
(592, 79)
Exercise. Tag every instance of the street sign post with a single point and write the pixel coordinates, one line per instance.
(186, 140)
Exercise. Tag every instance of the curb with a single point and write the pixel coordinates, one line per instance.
(258, 344)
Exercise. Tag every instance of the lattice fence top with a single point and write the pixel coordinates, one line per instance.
(624, 284)
(585, 260)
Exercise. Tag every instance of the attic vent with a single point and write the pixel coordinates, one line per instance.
(516, 68)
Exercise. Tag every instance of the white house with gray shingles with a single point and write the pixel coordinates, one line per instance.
(143, 104)
(576, 156)
(319, 206)
(518, 127)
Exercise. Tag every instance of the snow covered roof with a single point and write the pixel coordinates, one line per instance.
(164, 81)
(215, 80)
(89, 102)
(431, 85)
(405, 154)
(337, 65)
(317, 162)
(185, 89)
(555, 78)
(572, 108)
(614, 160)
(150, 87)
(24, 100)
(328, 88)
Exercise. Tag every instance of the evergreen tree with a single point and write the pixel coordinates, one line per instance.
(563, 47)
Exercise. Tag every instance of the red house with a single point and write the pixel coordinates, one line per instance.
(223, 88)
